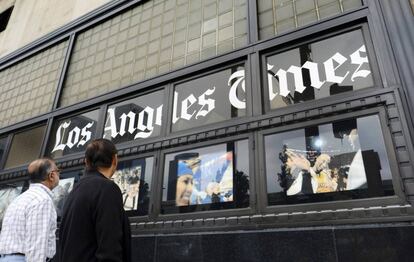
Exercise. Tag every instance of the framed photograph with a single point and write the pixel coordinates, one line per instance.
(334, 161)
(206, 178)
(133, 177)
(211, 175)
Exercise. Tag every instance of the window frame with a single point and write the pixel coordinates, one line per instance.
(320, 36)
(210, 213)
(398, 197)
(165, 110)
(132, 214)
(3, 159)
(206, 72)
(54, 120)
(11, 138)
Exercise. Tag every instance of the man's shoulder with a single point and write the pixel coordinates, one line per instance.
(33, 194)
(92, 178)
(29, 200)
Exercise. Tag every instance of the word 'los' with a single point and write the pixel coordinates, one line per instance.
(75, 137)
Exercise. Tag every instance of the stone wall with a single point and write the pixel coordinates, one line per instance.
(32, 19)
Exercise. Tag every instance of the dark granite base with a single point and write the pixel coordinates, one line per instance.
(259, 246)
(375, 244)
(360, 243)
(336, 244)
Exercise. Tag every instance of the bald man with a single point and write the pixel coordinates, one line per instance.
(29, 225)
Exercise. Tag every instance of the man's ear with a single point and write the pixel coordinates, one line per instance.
(115, 161)
(50, 176)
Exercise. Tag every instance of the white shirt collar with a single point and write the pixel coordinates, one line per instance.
(40, 185)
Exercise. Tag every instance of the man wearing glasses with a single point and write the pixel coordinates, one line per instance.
(29, 225)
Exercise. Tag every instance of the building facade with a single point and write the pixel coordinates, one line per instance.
(247, 130)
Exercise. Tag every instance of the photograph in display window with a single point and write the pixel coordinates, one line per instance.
(132, 178)
(207, 178)
(128, 181)
(329, 158)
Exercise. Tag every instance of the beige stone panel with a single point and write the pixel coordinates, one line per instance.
(10, 38)
(32, 19)
(5, 4)
(83, 7)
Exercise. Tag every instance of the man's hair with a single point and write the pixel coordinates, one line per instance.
(99, 154)
(39, 169)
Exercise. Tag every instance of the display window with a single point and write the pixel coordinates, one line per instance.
(8, 192)
(25, 147)
(135, 119)
(320, 69)
(206, 178)
(345, 159)
(210, 99)
(134, 178)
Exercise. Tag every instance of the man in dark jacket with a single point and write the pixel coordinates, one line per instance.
(94, 225)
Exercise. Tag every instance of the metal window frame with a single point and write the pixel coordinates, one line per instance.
(7, 146)
(398, 199)
(219, 68)
(10, 143)
(133, 96)
(132, 213)
(363, 27)
(53, 120)
(65, 67)
(211, 213)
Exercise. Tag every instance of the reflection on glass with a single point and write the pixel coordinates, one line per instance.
(208, 178)
(72, 135)
(136, 118)
(61, 191)
(210, 99)
(25, 147)
(8, 193)
(134, 177)
(317, 70)
(340, 160)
